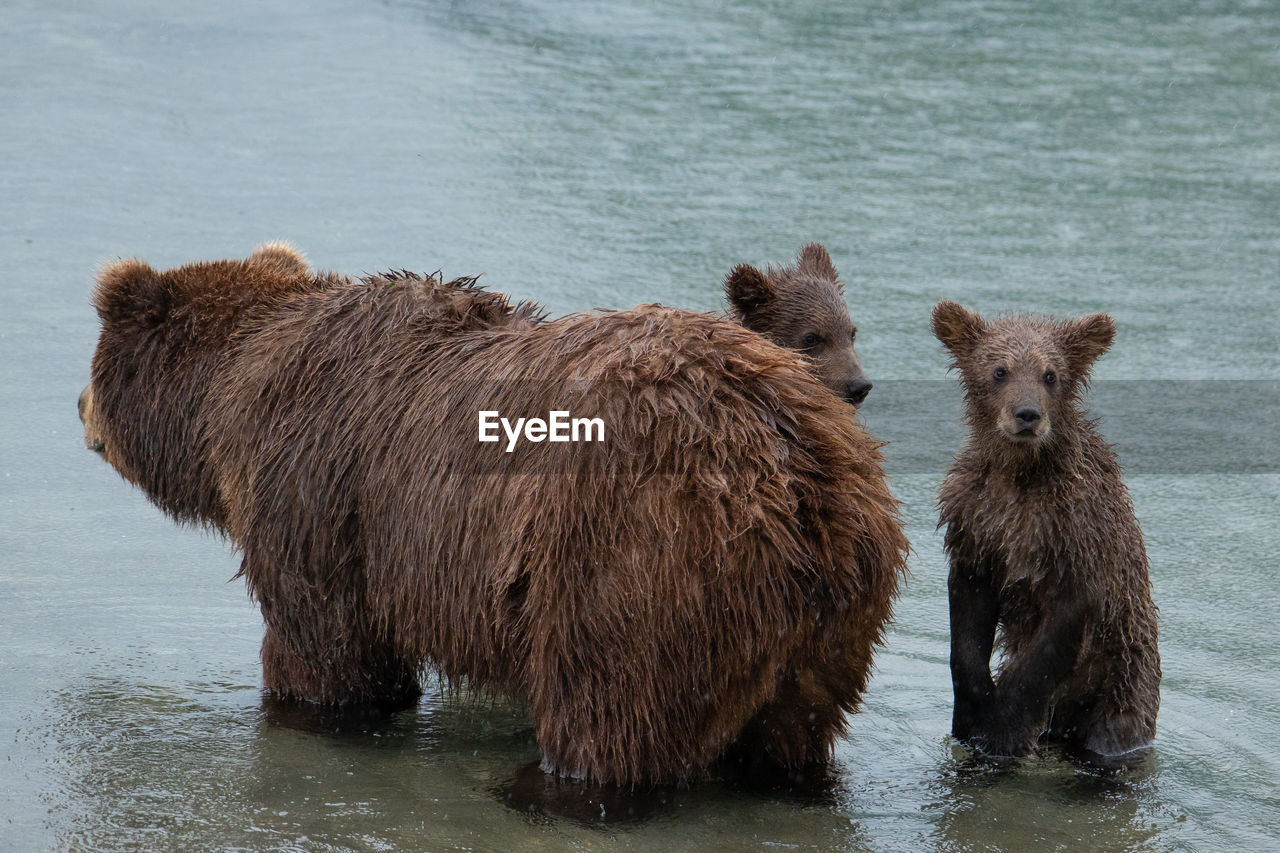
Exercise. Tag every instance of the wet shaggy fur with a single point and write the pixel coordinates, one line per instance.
(164, 337)
(714, 575)
(801, 307)
(1044, 547)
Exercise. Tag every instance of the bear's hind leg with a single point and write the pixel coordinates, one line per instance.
(1102, 736)
(791, 736)
(1115, 742)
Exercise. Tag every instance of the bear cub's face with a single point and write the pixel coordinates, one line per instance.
(801, 307)
(1021, 373)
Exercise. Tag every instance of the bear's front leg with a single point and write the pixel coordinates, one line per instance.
(323, 643)
(1020, 705)
(371, 675)
(974, 614)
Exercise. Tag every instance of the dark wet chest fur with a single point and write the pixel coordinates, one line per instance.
(1045, 533)
(1011, 524)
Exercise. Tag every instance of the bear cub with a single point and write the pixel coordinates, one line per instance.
(1047, 561)
(801, 307)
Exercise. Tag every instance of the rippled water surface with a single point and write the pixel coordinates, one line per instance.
(1066, 157)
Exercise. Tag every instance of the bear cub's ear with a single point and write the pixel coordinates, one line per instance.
(748, 289)
(815, 260)
(1085, 339)
(957, 327)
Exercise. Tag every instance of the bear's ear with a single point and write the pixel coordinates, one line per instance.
(281, 258)
(749, 290)
(958, 328)
(131, 292)
(1085, 339)
(814, 259)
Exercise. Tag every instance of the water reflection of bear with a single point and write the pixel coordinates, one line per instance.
(591, 804)
(499, 735)
(728, 810)
(501, 732)
(1040, 803)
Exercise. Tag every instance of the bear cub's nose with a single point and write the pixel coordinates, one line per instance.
(1027, 417)
(857, 390)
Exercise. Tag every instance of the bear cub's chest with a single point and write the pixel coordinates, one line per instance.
(1015, 525)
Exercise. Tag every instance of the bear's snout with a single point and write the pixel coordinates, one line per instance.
(1026, 418)
(84, 406)
(1025, 423)
(857, 390)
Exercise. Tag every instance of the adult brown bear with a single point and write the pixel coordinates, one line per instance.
(716, 571)
(1045, 546)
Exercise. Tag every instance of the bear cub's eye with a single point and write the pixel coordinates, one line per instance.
(853, 336)
(1000, 374)
(810, 341)
(1050, 377)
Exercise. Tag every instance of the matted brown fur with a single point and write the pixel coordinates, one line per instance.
(717, 572)
(164, 337)
(1044, 544)
(801, 307)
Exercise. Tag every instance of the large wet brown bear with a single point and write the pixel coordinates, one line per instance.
(715, 573)
(801, 307)
(1044, 547)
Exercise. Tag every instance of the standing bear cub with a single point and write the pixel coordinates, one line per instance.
(1045, 547)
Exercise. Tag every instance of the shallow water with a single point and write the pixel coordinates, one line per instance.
(1059, 157)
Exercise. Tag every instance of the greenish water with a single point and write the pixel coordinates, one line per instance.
(1059, 157)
